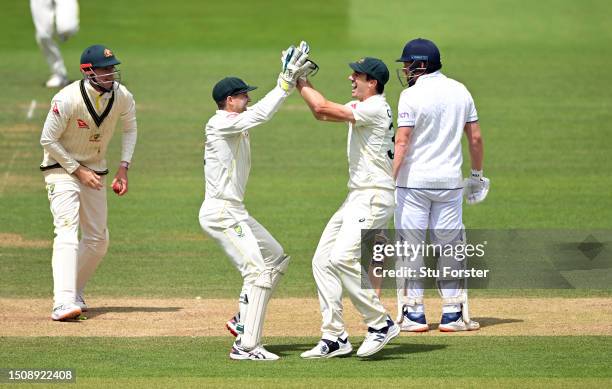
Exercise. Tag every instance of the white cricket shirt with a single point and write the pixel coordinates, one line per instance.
(370, 144)
(81, 123)
(437, 107)
(227, 154)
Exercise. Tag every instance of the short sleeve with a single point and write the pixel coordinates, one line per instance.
(472, 115)
(406, 113)
(365, 114)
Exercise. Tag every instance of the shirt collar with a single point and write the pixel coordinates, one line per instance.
(435, 74)
(373, 97)
(93, 92)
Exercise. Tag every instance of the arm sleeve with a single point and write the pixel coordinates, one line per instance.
(260, 112)
(364, 114)
(54, 127)
(129, 127)
(406, 114)
(472, 115)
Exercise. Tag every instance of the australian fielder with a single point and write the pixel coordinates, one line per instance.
(259, 258)
(336, 264)
(75, 137)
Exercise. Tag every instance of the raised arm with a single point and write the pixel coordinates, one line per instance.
(321, 108)
(263, 110)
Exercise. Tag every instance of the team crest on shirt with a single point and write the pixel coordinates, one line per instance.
(95, 137)
(238, 230)
(55, 109)
(82, 123)
(108, 53)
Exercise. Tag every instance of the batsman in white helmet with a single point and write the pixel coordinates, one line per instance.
(336, 264)
(434, 113)
(259, 258)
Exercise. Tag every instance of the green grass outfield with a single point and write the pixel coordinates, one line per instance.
(539, 74)
(438, 360)
(546, 122)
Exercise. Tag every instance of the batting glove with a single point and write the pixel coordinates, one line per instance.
(476, 187)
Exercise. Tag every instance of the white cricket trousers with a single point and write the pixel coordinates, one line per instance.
(74, 206)
(52, 17)
(249, 246)
(336, 263)
(437, 210)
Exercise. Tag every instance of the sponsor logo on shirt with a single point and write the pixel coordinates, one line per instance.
(403, 115)
(95, 138)
(354, 105)
(55, 109)
(82, 123)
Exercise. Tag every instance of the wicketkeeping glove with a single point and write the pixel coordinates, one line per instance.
(310, 68)
(293, 65)
(476, 187)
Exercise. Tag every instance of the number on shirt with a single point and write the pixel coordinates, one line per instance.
(391, 153)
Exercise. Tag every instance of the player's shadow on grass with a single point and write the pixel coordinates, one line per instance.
(400, 350)
(493, 321)
(99, 311)
(391, 351)
(483, 321)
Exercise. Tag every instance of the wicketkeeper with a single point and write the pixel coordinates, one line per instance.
(259, 258)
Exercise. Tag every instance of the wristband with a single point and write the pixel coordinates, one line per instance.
(125, 164)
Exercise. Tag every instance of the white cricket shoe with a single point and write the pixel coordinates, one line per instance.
(329, 349)
(65, 312)
(413, 322)
(81, 303)
(259, 353)
(375, 340)
(233, 325)
(453, 322)
(56, 81)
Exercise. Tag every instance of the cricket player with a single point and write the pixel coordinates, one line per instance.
(75, 137)
(54, 19)
(433, 114)
(369, 205)
(259, 258)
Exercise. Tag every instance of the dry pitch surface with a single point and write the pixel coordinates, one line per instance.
(132, 317)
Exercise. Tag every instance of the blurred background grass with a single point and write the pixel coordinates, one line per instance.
(538, 72)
